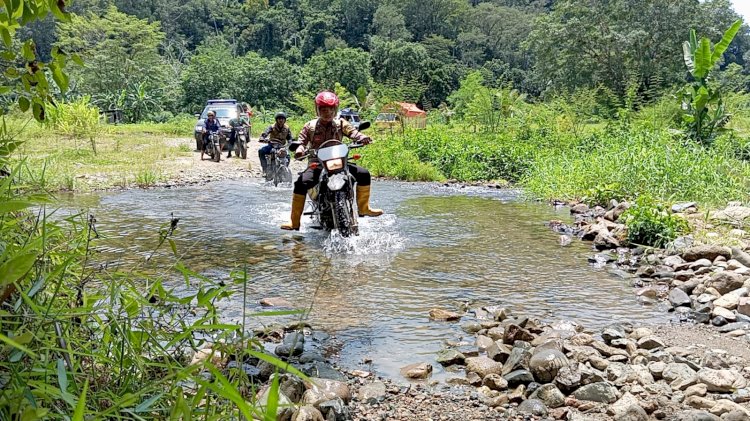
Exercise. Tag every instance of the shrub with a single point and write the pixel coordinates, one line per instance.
(78, 119)
(650, 224)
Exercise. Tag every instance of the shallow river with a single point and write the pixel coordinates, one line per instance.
(435, 247)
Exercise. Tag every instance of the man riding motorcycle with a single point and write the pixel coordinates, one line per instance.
(211, 125)
(313, 134)
(277, 134)
(234, 124)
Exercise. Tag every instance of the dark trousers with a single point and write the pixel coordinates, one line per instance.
(309, 178)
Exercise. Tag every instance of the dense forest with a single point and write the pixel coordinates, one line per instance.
(163, 57)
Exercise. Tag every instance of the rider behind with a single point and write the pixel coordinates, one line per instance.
(277, 135)
(209, 126)
(313, 134)
(234, 123)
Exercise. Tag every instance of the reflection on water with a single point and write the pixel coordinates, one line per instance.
(435, 247)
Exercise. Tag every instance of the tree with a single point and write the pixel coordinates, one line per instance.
(439, 17)
(348, 66)
(388, 23)
(704, 112)
(122, 58)
(397, 59)
(213, 72)
(607, 42)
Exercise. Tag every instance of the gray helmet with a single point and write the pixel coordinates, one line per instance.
(279, 115)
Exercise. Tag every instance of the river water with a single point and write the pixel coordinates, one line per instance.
(436, 247)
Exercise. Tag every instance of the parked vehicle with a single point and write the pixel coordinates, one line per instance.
(333, 198)
(226, 110)
(351, 116)
(278, 166)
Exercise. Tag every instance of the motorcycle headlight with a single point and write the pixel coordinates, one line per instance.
(336, 182)
(335, 164)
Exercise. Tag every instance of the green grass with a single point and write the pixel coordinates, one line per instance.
(126, 155)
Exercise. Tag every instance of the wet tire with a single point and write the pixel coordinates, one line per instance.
(343, 216)
(285, 176)
(243, 150)
(271, 169)
(217, 153)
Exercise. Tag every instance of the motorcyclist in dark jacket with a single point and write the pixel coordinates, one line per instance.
(209, 126)
(277, 135)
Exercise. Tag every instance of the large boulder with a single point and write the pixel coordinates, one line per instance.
(416, 371)
(706, 251)
(732, 214)
(731, 299)
(726, 281)
(741, 256)
(545, 364)
(597, 392)
(322, 390)
(678, 298)
(550, 395)
(721, 381)
(483, 366)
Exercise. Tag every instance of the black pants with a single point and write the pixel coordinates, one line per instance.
(309, 178)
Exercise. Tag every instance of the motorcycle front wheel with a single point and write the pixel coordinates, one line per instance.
(242, 149)
(217, 153)
(271, 170)
(343, 215)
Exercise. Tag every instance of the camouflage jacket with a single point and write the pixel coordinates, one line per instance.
(278, 135)
(314, 133)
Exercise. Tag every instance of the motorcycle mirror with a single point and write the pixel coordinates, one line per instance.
(294, 145)
(364, 125)
(197, 115)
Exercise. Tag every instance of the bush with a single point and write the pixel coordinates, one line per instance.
(78, 119)
(650, 224)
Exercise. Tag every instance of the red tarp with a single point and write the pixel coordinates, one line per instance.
(410, 110)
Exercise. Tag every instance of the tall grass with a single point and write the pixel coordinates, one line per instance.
(80, 340)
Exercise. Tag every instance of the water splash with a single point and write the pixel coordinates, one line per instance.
(376, 236)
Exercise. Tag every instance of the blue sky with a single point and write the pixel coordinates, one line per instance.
(743, 8)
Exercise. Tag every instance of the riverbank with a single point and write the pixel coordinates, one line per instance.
(515, 367)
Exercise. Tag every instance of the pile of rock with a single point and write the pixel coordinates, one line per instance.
(598, 225)
(520, 367)
(702, 283)
(707, 284)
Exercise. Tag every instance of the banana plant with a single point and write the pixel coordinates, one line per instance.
(704, 113)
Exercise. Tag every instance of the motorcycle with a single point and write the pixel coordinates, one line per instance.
(213, 146)
(278, 166)
(333, 198)
(240, 147)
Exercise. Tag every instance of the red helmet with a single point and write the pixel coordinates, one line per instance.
(326, 98)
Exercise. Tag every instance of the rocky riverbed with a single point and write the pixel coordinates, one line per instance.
(701, 283)
(515, 367)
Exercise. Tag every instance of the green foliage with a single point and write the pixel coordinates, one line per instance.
(650, 224)
(704, 110)
(25, 77)
(123, 66)
(630, 161)
(392, 157)
(348, 66)
(78, 119)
